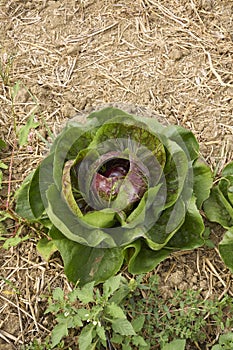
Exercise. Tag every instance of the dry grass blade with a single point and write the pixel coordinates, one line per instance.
(213, 70)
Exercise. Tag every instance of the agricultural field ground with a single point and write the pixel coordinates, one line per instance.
(60, 58)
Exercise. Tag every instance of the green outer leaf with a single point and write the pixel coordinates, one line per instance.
(189, 236)
(107, 114)
(226, 187)
(23, 207)
(67, 189)
(178, 172)
(36, 203)
(84, 263)
(218, 209)
(72, 226)
(184, 138)
(228, 170)
(30, 198)
(166, 226)
(226, 248)
(230, 194)
(70, 142)
(203, 181)
(141, 258)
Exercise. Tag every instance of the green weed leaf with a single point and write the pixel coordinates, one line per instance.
(111, 285)
(3, 165)
(85, 337)
(85, 294)
(115, 311)
(58, 332)
(77, 322)
(225, 342)
(123, 327)
(24, 130)
(58, 294)
(117, 338)
(139, 341)
(2, 144)
(138, 323)
(100, 331)
(14, 241)
(177, 344)
(15, 90)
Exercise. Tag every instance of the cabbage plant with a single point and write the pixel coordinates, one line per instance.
(219, 208)
(119, 189)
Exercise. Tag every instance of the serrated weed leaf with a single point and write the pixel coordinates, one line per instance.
(77, 322)
(111, 285)
(58, 294)
(123, 327)
(139, 341)
(86, 293)
(53, 308)
(177, 344)
(85, 338)
(115, 311)
(100, 331)
(58, 332)
(14, 241)
(138, 323)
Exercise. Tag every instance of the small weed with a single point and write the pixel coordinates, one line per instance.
(9, 239)
(97, 316)
(185, 316)
(3, 166)
(36, 345)
(5, 67)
